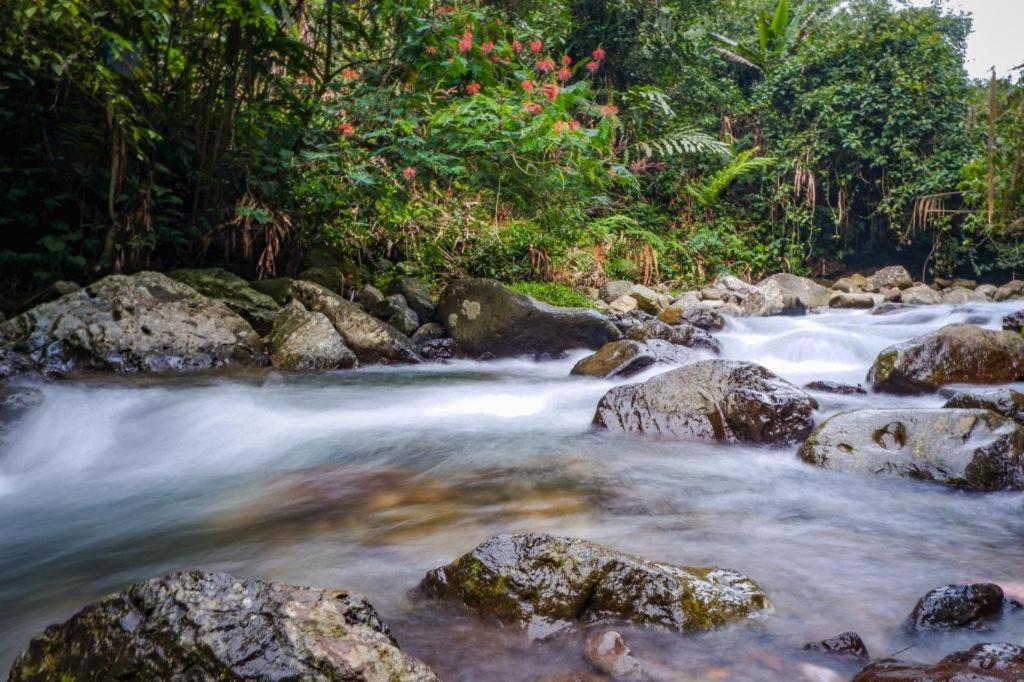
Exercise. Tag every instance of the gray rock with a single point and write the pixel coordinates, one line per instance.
(623, 305)
(732, 284)
(647, 300)
(546, 581)
(428, 332)
(145, 322)
(626, 358)
(851, 285)
(954, 354)
(369, 297)
(844, 644)
(975, 449)
(921, 294)
(485, 317)
(279, 289)
(835, 387)
(955, 607)
(417, 296)
(986, 290)
(258, 309)
(615, 289)
(810, 293)
(1014, 321)
(440, 349)
(1010, 290)
(369, 338)
(608, 653)
(841, 300)
(893, 276)
(959, 295)
(1004, 401)
(714, 400)
(212, 626)
(770, 298)
(396, 312)
(991, 662)
(304, 340)
(647, 328)
(699, 315)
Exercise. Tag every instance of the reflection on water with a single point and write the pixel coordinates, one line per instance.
(367, 479)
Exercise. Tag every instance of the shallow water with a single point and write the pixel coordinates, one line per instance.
(367, 479)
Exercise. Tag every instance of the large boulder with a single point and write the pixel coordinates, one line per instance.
(485, 317)
(546, 581)
(715, 400)
(645, 328)
(372, 340)
(212, 626)
(810, 293)
(1011, 290)
(955, 607)
(300, 339)
(1004, 401)
(894, 276)
(145, 322)
(975, 449)
(626, 358)
(770, 297)
(417, 296)
(991, 662)
(954, 354)
(920, 294)
(257, 308)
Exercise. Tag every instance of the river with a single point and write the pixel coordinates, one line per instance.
(367, 479)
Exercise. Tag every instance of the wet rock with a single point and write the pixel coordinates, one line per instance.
(614, 289)
(626, 358)
(417, 296)
(608, 653)
(369, 338)
(428, 332)
(953, 607)
(986, 290)
(547, 582)
(699, 315)
(1004, 401)
(843, 644)
(992, 662)
(854, 300)
(835, 387)
(205, 625)
(771, 298)
(1011, 290)
(959, 295)
(810, 293)
(623, 305)
(396, 312)
(975, 449)
(145, 322)
(888, 308)
(894, 276)
(1014, 322)
(715, 400)
(485, 317)
(279, 289)
(647, 328)
(440, 349)
(369, 297)
(853, 284)
(956, 353)
(920, 294)
(307, 341)
(258, 309)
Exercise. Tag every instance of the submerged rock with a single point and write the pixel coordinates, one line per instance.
(205, 625)
(839, 388)
(608, 653)
(953, 607)
(843, 644)
(626, 358)
(372, 340)
(257, 308)
(956, 353)
(546, 581)
(145, 322)
(975, 449)
(716, 400)
(992, 662)
(1004, 401)
(304, 340)
(485, 317)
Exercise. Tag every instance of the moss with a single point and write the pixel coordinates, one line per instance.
(554, 294)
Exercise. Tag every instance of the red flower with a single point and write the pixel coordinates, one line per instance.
(550, 91)
(546, 65)
(467, 42)
(566, 60)
(528, 86)
(487, 47)
(598, 54)
(444, 9)
(592, 67)
(473, 89)
(574, 124)
(531, 107)
(564, 73)
(536, 46)
(561, 126)
(409, 173)
(347, 129)
(349, 74)
(516, 46)
(609, 110)
(431, 50)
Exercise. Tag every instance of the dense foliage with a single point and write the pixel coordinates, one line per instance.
(566, 142)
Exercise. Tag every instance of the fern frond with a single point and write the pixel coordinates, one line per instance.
(686, 140)
(707, 191)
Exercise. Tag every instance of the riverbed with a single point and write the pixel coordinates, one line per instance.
(367, 479)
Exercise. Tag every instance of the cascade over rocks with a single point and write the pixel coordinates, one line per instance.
(1004, 401)
(145, 322)
(953, 607)
(626, 358)
(204, 625)
(546, 581)
(483, 316)
(975, 449)
(714, 400)
(991, 662)
(956, 353)
(304, 340)
(369, 338)
(257, 308)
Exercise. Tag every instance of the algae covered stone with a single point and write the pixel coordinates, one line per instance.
(257, 308)
(541, 580)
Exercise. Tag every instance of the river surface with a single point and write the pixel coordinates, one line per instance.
(367, 479)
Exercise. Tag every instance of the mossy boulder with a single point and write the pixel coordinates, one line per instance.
(485, 317)
(954, 354)
(989, 662)
(205, 625)
(145, 322)
(541, 580)
(713, 400)
(975, 449)
(279, 289)
(257, 308)
(304, 340)
(626, 358)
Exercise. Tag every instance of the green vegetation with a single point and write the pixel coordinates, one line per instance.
(554, 293)
(567, 142)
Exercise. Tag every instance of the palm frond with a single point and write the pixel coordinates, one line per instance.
(685, 140)
(708, 190)
(732, 51)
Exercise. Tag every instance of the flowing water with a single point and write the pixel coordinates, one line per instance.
(367, 479)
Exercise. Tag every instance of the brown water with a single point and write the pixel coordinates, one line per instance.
(365, 480)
